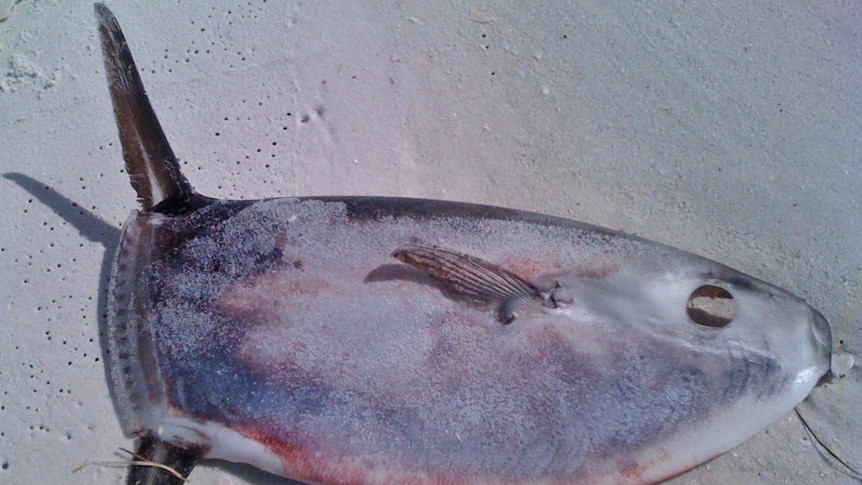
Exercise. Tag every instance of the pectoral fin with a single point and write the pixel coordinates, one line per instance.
(474, 278)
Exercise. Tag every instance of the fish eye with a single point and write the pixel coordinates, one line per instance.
(711, 306)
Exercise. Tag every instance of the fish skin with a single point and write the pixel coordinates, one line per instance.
(287, 341)
(282, 333)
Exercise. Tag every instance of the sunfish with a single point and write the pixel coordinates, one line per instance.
(372, 340)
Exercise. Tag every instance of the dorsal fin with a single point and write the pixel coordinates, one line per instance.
(475, 278)
(153, 169)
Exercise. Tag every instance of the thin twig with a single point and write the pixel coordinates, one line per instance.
(138, 461)
(849, 470)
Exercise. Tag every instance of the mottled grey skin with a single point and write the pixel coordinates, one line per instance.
(288, 320)
(283, 333)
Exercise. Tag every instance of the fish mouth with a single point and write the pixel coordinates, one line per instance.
(822, 336)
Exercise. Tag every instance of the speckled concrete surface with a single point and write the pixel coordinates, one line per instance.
(731, 130)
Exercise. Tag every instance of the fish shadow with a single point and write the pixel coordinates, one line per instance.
(94, 229)
(249, 473)
(390, 272)
(403, 272)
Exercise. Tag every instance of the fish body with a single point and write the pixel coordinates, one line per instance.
(383, 340)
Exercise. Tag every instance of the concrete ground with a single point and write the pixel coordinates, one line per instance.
(729, 129)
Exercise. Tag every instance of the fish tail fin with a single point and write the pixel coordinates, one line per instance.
(153, 169)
